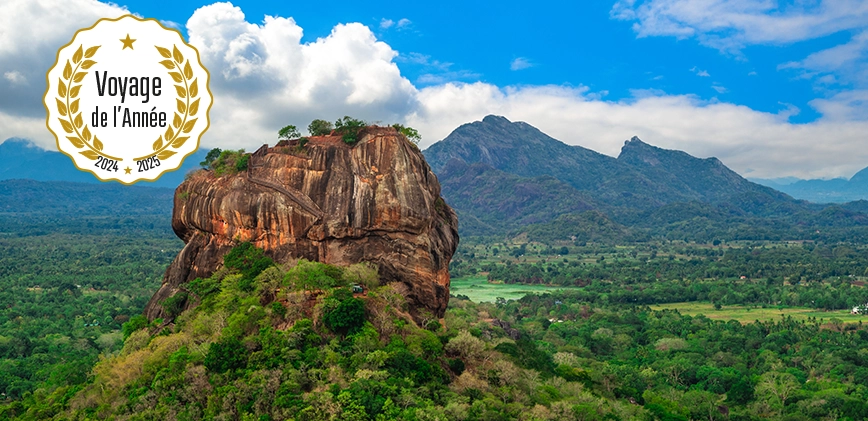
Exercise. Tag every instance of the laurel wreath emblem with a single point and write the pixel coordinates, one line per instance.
(187, 102)
(68, 87)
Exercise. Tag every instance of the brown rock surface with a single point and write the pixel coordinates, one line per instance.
(376, 201)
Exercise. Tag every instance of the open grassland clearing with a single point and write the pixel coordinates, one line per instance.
(478, 289)
(750, 314)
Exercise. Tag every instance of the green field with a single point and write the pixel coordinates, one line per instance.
(746, 314)
(479, 290)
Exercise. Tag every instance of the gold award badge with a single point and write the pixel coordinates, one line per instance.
(127, 99)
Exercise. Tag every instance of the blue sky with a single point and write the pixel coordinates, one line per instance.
(772, 88)
(562, 43)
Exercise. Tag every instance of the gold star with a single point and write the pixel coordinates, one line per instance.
(127, 170)
(127, 42)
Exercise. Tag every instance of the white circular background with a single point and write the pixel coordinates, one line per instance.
(142, 61)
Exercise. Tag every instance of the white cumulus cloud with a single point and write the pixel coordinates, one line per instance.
(758, 144)
(15, 77)
(31, 32)
(733, 24)
(846, 62)
(264, 77)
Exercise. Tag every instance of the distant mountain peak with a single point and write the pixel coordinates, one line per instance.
(502, 175)
(860, 177)
(836, 190)
(638, 151)
(496, 119)
(18, 141)
(635, 151)
(501, 144)
(15, 145)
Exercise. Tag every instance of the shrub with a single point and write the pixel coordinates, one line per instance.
(410, 133)
(230, 162)
(404, 364)
(526, 355)
(241, 163)
(364, 274)
(136, 322)
(349, 128)
(433, 325)
(278, 309)
(174, 304)
(303, 336)
(456, 365)
(204, 287)
(670, 344)
(310, 276)
(466, 346)
(249, 260)
(573, 374)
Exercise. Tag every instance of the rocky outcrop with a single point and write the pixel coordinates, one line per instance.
(376, 201)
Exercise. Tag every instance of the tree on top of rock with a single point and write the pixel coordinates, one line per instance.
(288, 132)
(411, 133)
(349, 128)
(320, 127)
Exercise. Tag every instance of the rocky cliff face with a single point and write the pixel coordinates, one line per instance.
(376, 201)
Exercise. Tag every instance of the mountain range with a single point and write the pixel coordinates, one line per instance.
(641, 177)
(480, 142)
(509, 177)
(836, 190)
(21, 159)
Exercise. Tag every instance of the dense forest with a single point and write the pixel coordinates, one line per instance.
(271, 342)
(291, 341)
(60, 311)
(803, 274)
(76, 262)
(761, 274)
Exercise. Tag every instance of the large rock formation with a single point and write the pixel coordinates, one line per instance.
(376, 201)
